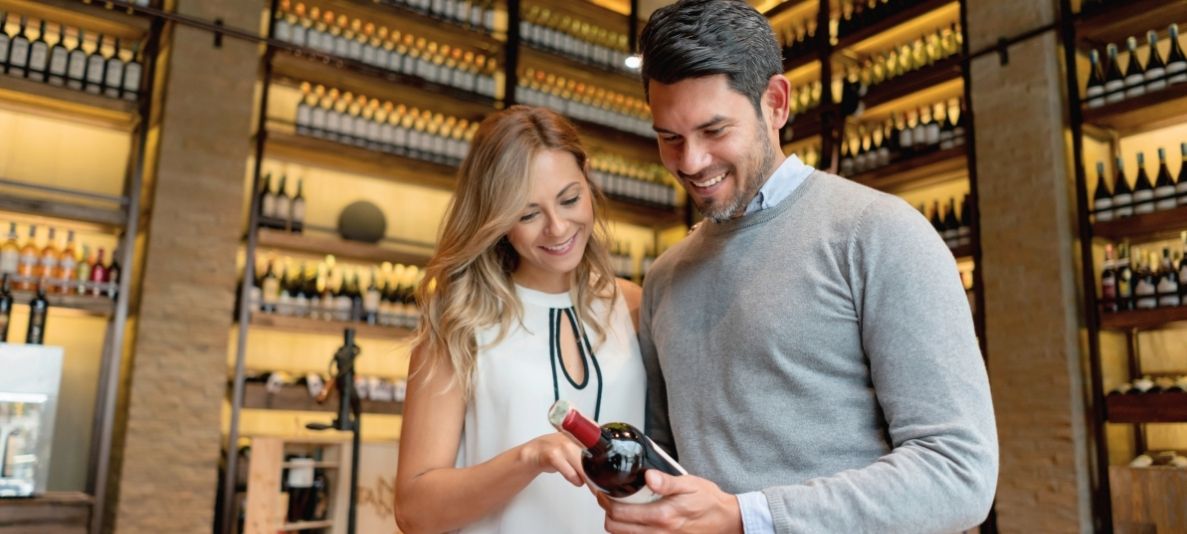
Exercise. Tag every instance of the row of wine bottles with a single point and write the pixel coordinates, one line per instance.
(389, 50)
(569, 36)
(279, 210)
(585, 102)
(905, 58)
(478, 15)
(856, 14)
(383, 126)
(956, 231)
(1143, 282)
(69, 57)
(1159, 459)
(624, 264)
(38, 311)
(809, 155)
(1145, 197)
(902, 137)
(374, 388)
(1148, 385)
(805, 97)
(797, 39)
(328, 292)
(1112, 85)
(633, 181)
(57, 267)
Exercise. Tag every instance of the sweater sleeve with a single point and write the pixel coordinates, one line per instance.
(930, 382)
(658, 427)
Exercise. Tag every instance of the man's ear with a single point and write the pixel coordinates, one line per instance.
(776, 100)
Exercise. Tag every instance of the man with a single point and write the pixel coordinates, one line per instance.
(809, 347)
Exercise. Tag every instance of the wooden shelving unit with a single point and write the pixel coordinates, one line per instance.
(28, 96)
(343, 248)
(286, 145)
(1150, 111)
(296, 398)
(1147, 227)
(1125, 19)
(1147, 408)
(1143, 319)
(940, 72)
(916, 9)
(58, 209)
(303, 325)
(917, 171)
(89, 305)
(92, 16)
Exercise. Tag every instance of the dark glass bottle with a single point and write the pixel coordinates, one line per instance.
(1095, 90)
(1102, 198)
(1135, 73)
(38, 310)
(39, 55)
(1164, 185)
(1155, 68)
(18, 52)
(1143, 190)
(1125, 279)
(1122, 194)
(58, 58)
(1176, 61)
(616, 454)
(1108, 282)
(1114, 80)
(6, 303)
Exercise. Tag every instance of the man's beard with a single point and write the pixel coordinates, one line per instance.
(747, 187)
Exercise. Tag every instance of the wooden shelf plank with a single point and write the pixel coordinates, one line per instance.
(96, 306)
(792, 62)
(107, 217)
(308, 525)
(77, 14)
(856, 35)
(918, 171)
(1147, 227)
(1131, 18)
(805, 126)
(610, 134)
(644, 214)
(963, 252)
(316, 465)
(296, 398)
(300, 64)
(28, 96)
(1143, 319)
(285, 145)
(584, 71)
(1150, 111)
(1166, 407)
(942, 71)
(334, 328)
(397, 10)
(790, 5)
(343, 248)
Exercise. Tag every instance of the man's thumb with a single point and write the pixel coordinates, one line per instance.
(662, 483)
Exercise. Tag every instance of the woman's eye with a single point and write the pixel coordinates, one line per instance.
(571, 201)
(528, 217)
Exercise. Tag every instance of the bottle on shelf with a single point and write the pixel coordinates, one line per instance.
(76, 63)
(18, 51)
(82, 273)
(113, 79)
(1125, 278)
(27, 266)
(1155, 68)
(10, 252)
(1143, 190)
(1181, 186)
(1183, 270)
(58, 58)
(1123, 197)
(1176, 61)
(6, 303)
(616, 454)
(38, 311)
(1108, 282)
(1095, 90)
(133, 72)
(1135, 73)
(1102, 198)
(297, 209)
(98, 274)
(39, 55)
(1114, 80)
(951, 226)
(67, 264)
(96, 69)
(112, 278)
(47, 262)
(5, 41)
(1146, 288)
(1168, 282)
(1164, 186)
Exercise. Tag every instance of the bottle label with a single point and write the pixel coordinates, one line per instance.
(77, 66)
(355, 50)
(298, 211)
(115, 77)
(95, 70)
(299, 35)
(19, 53)
(57, 62)
(304, 116)
(38, 57)
(9, 261)
(284, 30)
(268, 205)
(318, 118)
(132, 79)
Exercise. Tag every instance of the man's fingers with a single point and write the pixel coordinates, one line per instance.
(664, 484)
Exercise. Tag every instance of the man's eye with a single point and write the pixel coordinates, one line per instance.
(715, 132)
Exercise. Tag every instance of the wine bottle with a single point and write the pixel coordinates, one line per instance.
(1181, 187)
(47, 261)
(267, 203)
(297, 209)
(616, 456)
(1143, 190)
(114, 72)
(5, 308)
(356, 299)
(58, 58)
(951, 225)
(371, 299)
(10, 252)
(38, 310)
(39, 55)
(1183, 270)
(1176, 61)
(133, 71)
(965, 232)
(112, 279)
(5, 41)
(1122, 194)
(1125, 279)
(1168, 282)
(1114, 80)
(937, 222)
(18, 51)
(1135, 73)
(98, 275)
(1102, 198)
(1146, 289)
(1094, 92)
(1164, 186)
(76, 63)
(270, 290)
(67, 264)
(96, 65)
(1108, 282)
(1155, 68)
(27, 263)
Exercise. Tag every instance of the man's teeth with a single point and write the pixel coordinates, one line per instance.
(711, 182)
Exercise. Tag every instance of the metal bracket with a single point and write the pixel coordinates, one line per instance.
(218, 35)
(1003, 51)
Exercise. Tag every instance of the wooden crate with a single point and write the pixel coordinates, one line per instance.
(266, 504)
(1148, 500)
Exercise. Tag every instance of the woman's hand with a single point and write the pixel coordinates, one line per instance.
(554, 453)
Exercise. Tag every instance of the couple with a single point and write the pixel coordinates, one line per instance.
(807, 353)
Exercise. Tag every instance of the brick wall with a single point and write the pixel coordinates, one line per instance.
(1030, 272)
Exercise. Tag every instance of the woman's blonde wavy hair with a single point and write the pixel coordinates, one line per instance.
(467, 285)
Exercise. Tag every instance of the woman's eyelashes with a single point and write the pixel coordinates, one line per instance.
(571, 201)
(529, 217)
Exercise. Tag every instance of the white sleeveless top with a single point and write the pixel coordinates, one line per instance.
(516, 381)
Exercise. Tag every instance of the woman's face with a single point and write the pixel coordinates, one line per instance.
(553, 229)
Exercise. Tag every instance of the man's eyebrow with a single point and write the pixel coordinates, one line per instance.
(707, 124)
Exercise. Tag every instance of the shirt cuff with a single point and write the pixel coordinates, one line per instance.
(756, 513)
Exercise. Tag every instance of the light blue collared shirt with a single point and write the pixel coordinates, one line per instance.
(756, 511)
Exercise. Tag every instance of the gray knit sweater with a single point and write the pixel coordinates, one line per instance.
(822, 351)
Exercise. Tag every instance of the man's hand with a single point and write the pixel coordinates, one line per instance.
(689, 505)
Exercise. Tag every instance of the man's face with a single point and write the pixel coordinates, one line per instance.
(711, 139)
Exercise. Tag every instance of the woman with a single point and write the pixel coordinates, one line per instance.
(519, 308)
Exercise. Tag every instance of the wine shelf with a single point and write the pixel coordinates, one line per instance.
(96, 306)
(105, 217)
(796, 61)
(578, 68)
(1147, 408)
(284, 144)
(1147, 227)
(926, 169)
(943, 71)
(296, 398)
(316, 465)
(805, 126)
(1143, 319)
(962, 252)
(918, 9)
(586, 128)
(307, 525)
(1150, 111)
(424, 19)
(305, 64)
(91, 16)
(1125, 19)
(314, 326)
(422, 24)
(24, 95)
(789, 5)
(343, 248)
(643, 214)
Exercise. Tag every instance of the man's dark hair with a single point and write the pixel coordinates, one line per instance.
(696, 38)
